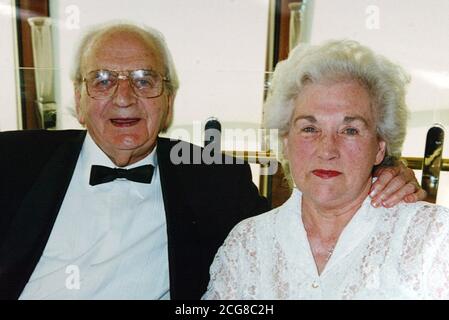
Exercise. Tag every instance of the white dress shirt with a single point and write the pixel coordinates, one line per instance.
(383, 253)
(109, 241)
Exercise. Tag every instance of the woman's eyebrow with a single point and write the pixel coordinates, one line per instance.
(349, 119)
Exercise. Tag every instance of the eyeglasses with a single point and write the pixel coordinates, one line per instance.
(102, 84)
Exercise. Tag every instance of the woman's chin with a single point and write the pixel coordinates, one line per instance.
(325, 198)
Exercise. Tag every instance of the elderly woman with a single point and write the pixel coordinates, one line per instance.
(340, 110)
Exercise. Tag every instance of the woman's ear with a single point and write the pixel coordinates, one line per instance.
(380, 152)
(284, 140)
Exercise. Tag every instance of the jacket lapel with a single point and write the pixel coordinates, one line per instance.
(184, 246)
(31, 227)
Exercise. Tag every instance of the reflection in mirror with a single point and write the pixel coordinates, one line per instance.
(29, 102)
(43, 62)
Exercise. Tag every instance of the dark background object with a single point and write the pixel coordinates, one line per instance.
(432, 163)
(212, 133)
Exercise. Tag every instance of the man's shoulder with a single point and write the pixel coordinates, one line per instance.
(169, 143)
(36, 143)
(182, 153)
(195, 171)
(37, 136)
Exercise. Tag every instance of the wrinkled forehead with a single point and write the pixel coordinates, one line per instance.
(336, 99)
(120, 47)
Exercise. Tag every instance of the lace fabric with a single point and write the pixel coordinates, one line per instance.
(383, 253)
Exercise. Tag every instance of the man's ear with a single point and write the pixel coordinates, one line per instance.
(79, 111)
(169, 113)
(380, 152)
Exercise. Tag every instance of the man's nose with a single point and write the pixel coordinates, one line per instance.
(328, 148)
(124, 95)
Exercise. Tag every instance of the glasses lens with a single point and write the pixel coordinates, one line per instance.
(101, 83)
(147, 83)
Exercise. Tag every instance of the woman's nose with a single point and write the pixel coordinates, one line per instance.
(328, 148)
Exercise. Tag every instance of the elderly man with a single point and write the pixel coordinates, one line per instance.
(104, 213)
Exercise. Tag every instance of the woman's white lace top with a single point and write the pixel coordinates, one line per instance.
(395, 253)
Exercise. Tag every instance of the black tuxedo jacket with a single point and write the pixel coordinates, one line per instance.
(202, 204)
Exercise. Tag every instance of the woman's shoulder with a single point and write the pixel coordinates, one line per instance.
(256, 224)
(424, 219)
(263, 226)
(424, 210)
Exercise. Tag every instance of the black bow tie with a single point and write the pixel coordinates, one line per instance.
(101, 174)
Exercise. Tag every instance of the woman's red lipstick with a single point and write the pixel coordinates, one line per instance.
(326, 174)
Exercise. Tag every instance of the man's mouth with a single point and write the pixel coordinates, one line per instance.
(124, 122)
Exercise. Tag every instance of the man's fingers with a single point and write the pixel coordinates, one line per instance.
(384, 177)
(408, 189)
(409, 174)
(393, 170)
(419, 195)
(396, 187)
(411, 198)
(395, 184)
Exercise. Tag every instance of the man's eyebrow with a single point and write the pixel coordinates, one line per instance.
(349, 119)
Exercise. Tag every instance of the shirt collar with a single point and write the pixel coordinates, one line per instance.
(293, 230)
(92, 154)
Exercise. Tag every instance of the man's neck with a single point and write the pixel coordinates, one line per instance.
(125, 158)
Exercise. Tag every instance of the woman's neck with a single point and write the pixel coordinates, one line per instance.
(324, 225)
(330, 221)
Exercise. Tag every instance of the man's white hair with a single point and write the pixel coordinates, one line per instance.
(150, 34)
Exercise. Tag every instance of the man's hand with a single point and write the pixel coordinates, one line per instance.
(394, 184)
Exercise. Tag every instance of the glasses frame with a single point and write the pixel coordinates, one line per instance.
(121, 76)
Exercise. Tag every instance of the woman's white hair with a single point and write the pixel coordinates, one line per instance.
(150, 34)
(337, 61)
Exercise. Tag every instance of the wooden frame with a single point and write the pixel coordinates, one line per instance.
(26, 9)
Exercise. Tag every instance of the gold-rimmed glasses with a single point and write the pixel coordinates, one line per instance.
(103, 83)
